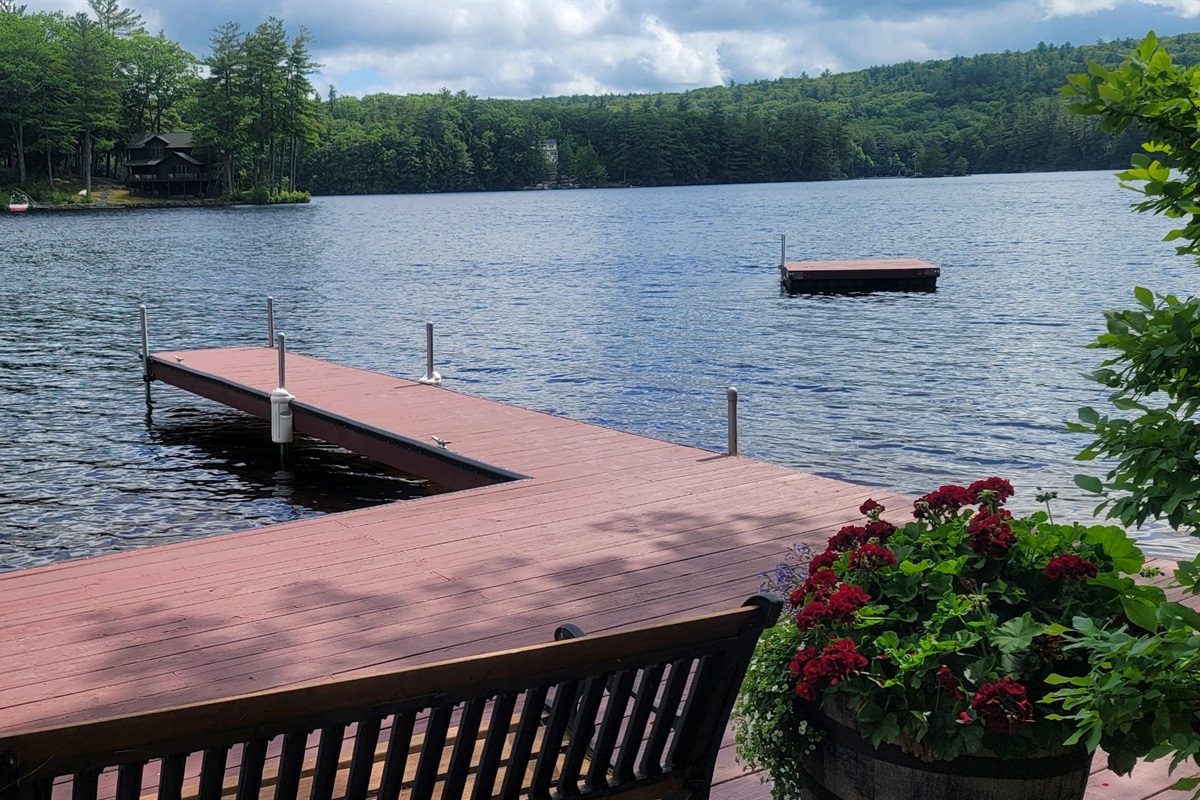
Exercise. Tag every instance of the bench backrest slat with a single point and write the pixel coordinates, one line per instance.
(666, 717)
(594, 716)
(250, 773)
(396, 763)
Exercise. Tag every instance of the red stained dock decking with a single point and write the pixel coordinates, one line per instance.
(608, 530)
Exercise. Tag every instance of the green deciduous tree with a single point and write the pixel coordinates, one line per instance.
(1153, 368)
(158, 77)
(31, 79)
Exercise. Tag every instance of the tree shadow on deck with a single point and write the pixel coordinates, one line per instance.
(405, 593)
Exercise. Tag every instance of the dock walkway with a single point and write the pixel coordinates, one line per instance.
(561, 521)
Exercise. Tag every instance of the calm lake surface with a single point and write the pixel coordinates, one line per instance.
(633, 309)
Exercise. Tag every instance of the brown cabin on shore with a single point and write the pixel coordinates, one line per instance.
(163, 165)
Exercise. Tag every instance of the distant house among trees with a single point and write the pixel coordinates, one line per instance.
(163, 165)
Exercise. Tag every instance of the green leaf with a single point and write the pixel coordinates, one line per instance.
(1089, 483)
(909, 568)
(1016, 634)
(1181, 327)
(1089, 415)
(1140, 613)
(1118, 545)
(1143, 295)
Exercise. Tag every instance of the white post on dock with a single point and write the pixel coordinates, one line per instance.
(281, 399)
(432, 378)
(270, 322)
(731, 396)
(782, 250)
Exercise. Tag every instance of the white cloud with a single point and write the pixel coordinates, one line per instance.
(527, 48)
(1189, 9)
(1074, 8)
(674, 61)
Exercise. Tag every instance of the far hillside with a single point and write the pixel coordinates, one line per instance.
(988, 113)
(87, 98)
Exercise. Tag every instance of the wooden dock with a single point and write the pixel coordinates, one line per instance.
(557, 521)
(840, 277)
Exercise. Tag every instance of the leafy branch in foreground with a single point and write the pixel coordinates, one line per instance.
(1155, 371)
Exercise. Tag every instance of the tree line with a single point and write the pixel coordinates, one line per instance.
(74, 89)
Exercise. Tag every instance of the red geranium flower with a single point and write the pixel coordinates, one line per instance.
(880, 529)
(947, 499)
(796, 669)
(1069, 566)
(837, 661)
(811, 614)
(847, 600)
(1000, 488)
(848, 538)
(872, 557)
(990, 534)
(820, 584)
(1003, 705)
(823, 561)
(871, 509)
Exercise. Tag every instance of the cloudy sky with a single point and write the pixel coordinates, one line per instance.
(534, 48)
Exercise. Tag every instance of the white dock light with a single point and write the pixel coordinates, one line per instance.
(281, 402)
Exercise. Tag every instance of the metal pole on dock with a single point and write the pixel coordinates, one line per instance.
(731, 396)
(270, 322)
(432, 378)
(145, 350)
(428, 349)
(281, 404)
(782, 250)
(282, 361)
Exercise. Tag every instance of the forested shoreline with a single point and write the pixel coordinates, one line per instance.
(74, 89)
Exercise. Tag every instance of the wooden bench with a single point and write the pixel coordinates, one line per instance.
(638, 713)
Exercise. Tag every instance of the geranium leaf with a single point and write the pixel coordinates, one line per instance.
(909, 568)
(1119, 546)
(1016, 634)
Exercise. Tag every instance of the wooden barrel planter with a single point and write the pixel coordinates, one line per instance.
(845, 767)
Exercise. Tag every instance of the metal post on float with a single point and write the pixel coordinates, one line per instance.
(270, 322)
(145, 350)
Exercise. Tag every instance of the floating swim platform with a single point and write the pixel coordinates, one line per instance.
(874, 275)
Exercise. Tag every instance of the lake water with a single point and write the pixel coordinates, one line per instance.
(633, 309)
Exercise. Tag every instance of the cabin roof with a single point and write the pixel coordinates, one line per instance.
(172, 139)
